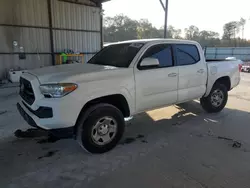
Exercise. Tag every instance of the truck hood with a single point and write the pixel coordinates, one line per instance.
(56, 74)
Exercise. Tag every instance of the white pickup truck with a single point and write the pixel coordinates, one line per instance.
(90, 101)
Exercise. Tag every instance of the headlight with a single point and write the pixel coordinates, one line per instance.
(57, 90)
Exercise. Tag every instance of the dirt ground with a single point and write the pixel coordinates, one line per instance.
(179, 146)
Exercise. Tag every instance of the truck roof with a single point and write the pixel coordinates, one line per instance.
(157, 40)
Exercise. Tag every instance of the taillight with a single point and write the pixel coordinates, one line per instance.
(240, 66)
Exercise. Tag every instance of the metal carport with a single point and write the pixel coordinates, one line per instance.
(40, 29)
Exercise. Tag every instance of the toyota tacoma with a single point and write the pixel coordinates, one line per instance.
(91, 100)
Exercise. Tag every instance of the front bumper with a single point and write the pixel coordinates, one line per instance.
(26, 116)
(46, 117)
(59, 132)
(50, 113)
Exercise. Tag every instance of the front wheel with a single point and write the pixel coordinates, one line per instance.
(102, 129)
(216, 100)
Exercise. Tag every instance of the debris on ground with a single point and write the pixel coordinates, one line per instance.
(3, 112)
(210, 132)
(128, 140)
(49, 139)
(140, 136)
(48, 154)
(236, 144)
(131, 139)
(30, 133)
(225, 138)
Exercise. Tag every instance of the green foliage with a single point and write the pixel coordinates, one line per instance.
(192, 33)
(121, 27)
(173, 32)
(146, 30)
(230, 30)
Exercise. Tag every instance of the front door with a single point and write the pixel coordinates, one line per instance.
(156, 86)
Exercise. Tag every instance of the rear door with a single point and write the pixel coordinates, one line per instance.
(192, 72)
(156, 86)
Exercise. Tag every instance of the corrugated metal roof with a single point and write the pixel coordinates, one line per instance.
(87, 2)
(101, 1)
(94, 1)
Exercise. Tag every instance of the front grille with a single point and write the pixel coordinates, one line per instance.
(26, 91)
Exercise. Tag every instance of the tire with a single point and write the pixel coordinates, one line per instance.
(90, 128)
(212, 107)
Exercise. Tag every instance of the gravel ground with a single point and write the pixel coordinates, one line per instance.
(179, 146)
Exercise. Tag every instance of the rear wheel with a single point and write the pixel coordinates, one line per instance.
(102, 129)
(216, 100)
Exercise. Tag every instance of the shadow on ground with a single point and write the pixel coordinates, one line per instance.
(23, 156)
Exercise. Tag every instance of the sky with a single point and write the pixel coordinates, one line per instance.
(205, 14)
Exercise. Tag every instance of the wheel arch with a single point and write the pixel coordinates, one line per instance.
(117, 100)
(225, 80)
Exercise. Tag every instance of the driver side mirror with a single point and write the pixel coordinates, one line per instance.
(149, 62)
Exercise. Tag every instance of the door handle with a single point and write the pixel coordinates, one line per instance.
(201, 71)
(172, 75)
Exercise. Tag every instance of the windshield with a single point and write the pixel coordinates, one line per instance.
(118, 55)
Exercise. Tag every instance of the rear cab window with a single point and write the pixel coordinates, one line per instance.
(187, 54)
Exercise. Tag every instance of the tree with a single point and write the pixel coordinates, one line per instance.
(242, 23)
(173, 33)
(119, 28)
(192, 33)
(109, 29)
(146, 30)
(230, 30)
(208, 35)
(209, 38)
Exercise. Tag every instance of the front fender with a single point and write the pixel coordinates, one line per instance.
(82, 98)
(128, 95)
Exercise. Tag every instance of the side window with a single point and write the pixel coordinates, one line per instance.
(163, 52)
(187, 54)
